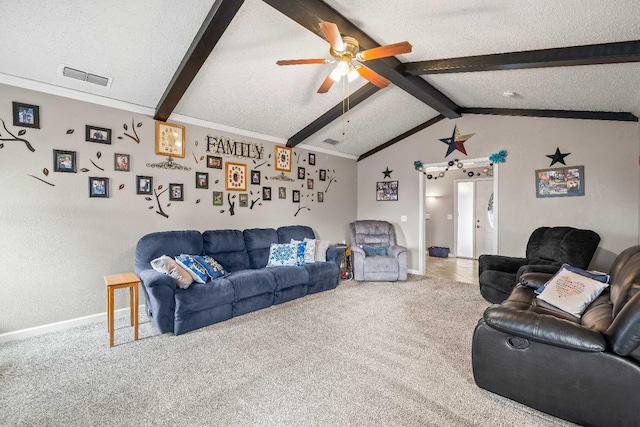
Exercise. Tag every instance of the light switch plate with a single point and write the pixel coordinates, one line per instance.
(403, 218)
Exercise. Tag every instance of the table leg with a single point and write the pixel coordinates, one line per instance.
(108, 311)
(111, 315)
(135, 309)
(131, 304)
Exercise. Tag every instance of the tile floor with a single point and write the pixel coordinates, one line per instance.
(460, 269)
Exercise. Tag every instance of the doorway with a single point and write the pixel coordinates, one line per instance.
(474, 226)
(423, 195)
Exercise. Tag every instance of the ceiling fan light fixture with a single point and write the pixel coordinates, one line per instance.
(353, 73)
(342, 69)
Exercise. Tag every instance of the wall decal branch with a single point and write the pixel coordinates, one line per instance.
(14, 137)
(135, 136)
(232, 205)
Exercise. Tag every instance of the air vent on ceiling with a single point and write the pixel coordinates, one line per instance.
(331, 141)
(85, 76)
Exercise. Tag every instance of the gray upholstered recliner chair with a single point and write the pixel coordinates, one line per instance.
(380, 265)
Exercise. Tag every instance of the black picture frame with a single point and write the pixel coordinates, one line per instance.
(255, 177)
(567, 181)
(282, 192)
(121, 162)
(320, 197)
(144, 184)
(99, 187)
(176, 192)
(322, 174)
(202, 180)
(387, 191)
(301, 173)
(312, 159)
(266, 193)
(243, 200)
(97, 134)
(26, 115)
(295, 196)
(309, 183)
(214, 162)
(64, 161)
(218, 198)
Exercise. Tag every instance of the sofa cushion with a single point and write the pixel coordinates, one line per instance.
(322, 270)
(296, 232)
(167, 265)
(380, 264)
(203, 296)
(170, 243)
(287, 277)
(258, 242)
(227, 247)
(248, 283)
(571, 291)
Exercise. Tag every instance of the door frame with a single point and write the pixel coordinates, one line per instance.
(421, 204)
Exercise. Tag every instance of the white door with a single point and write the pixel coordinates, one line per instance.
(464, 219)
(483, 218)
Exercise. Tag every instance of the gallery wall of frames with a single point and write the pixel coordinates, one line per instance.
(83, 182)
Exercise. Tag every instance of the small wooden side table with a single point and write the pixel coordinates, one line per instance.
(117, 281)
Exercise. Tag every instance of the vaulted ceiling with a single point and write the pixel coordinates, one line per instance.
(214, 62)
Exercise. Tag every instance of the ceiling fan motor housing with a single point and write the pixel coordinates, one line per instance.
(351, 48)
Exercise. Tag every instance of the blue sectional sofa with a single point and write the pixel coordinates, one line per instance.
(249, 286)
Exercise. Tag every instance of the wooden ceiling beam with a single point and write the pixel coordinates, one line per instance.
(605, 53)
(310, 13)
(399, 138)
(559, 114)
(335, 112)
(215, 24)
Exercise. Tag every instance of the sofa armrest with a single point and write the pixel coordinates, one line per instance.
(396, 250)
(357, 251)
(152, 279)
(335, 254)
(544, 328)
(546, 269)
(533, 280)
(501, 263)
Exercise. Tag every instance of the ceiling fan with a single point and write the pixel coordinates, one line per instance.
(346, 51)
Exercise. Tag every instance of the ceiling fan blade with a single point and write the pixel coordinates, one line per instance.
(326, 85)
(302, 61)
(332, 34)
(372, 76)
(384, 51)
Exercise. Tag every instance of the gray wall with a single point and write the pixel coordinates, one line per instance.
(608, 150)
(57, 243)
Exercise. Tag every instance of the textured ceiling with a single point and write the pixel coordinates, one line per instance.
(140, 45)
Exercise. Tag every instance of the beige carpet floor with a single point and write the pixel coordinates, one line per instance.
(364, 354)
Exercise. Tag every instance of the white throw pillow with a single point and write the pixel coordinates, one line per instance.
(168, 266)
(282, 254)
(321, 250)
(571, 292)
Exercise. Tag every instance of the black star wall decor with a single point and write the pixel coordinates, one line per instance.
(557, 157)
(387, 173)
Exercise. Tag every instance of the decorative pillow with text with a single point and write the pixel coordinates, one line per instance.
(571, 292)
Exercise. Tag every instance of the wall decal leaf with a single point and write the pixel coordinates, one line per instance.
(217, 181)
(150, 207)
(201, 158)
(125, 126)
(222, 211)
(148, 199)
(84, 170)
(1, 145)
(168, 204)
(121, 137)
(159, 187)
(121, 187)
(69, 131)
(139, 124)
(98, 154)
(196, 143)
(197, 201)
(45, 171)
(269, 157)
(22, 132)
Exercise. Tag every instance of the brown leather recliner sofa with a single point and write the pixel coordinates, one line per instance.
(585, 370)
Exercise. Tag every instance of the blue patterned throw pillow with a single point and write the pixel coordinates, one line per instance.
(211, 266)
(283, 254)
(196, 271)
(372, 250)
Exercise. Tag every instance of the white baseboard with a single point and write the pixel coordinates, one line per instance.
(65, 324)
(411, 271)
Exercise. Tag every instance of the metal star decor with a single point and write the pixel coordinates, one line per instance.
(557, 157)
(387, 173)
(456, 142)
